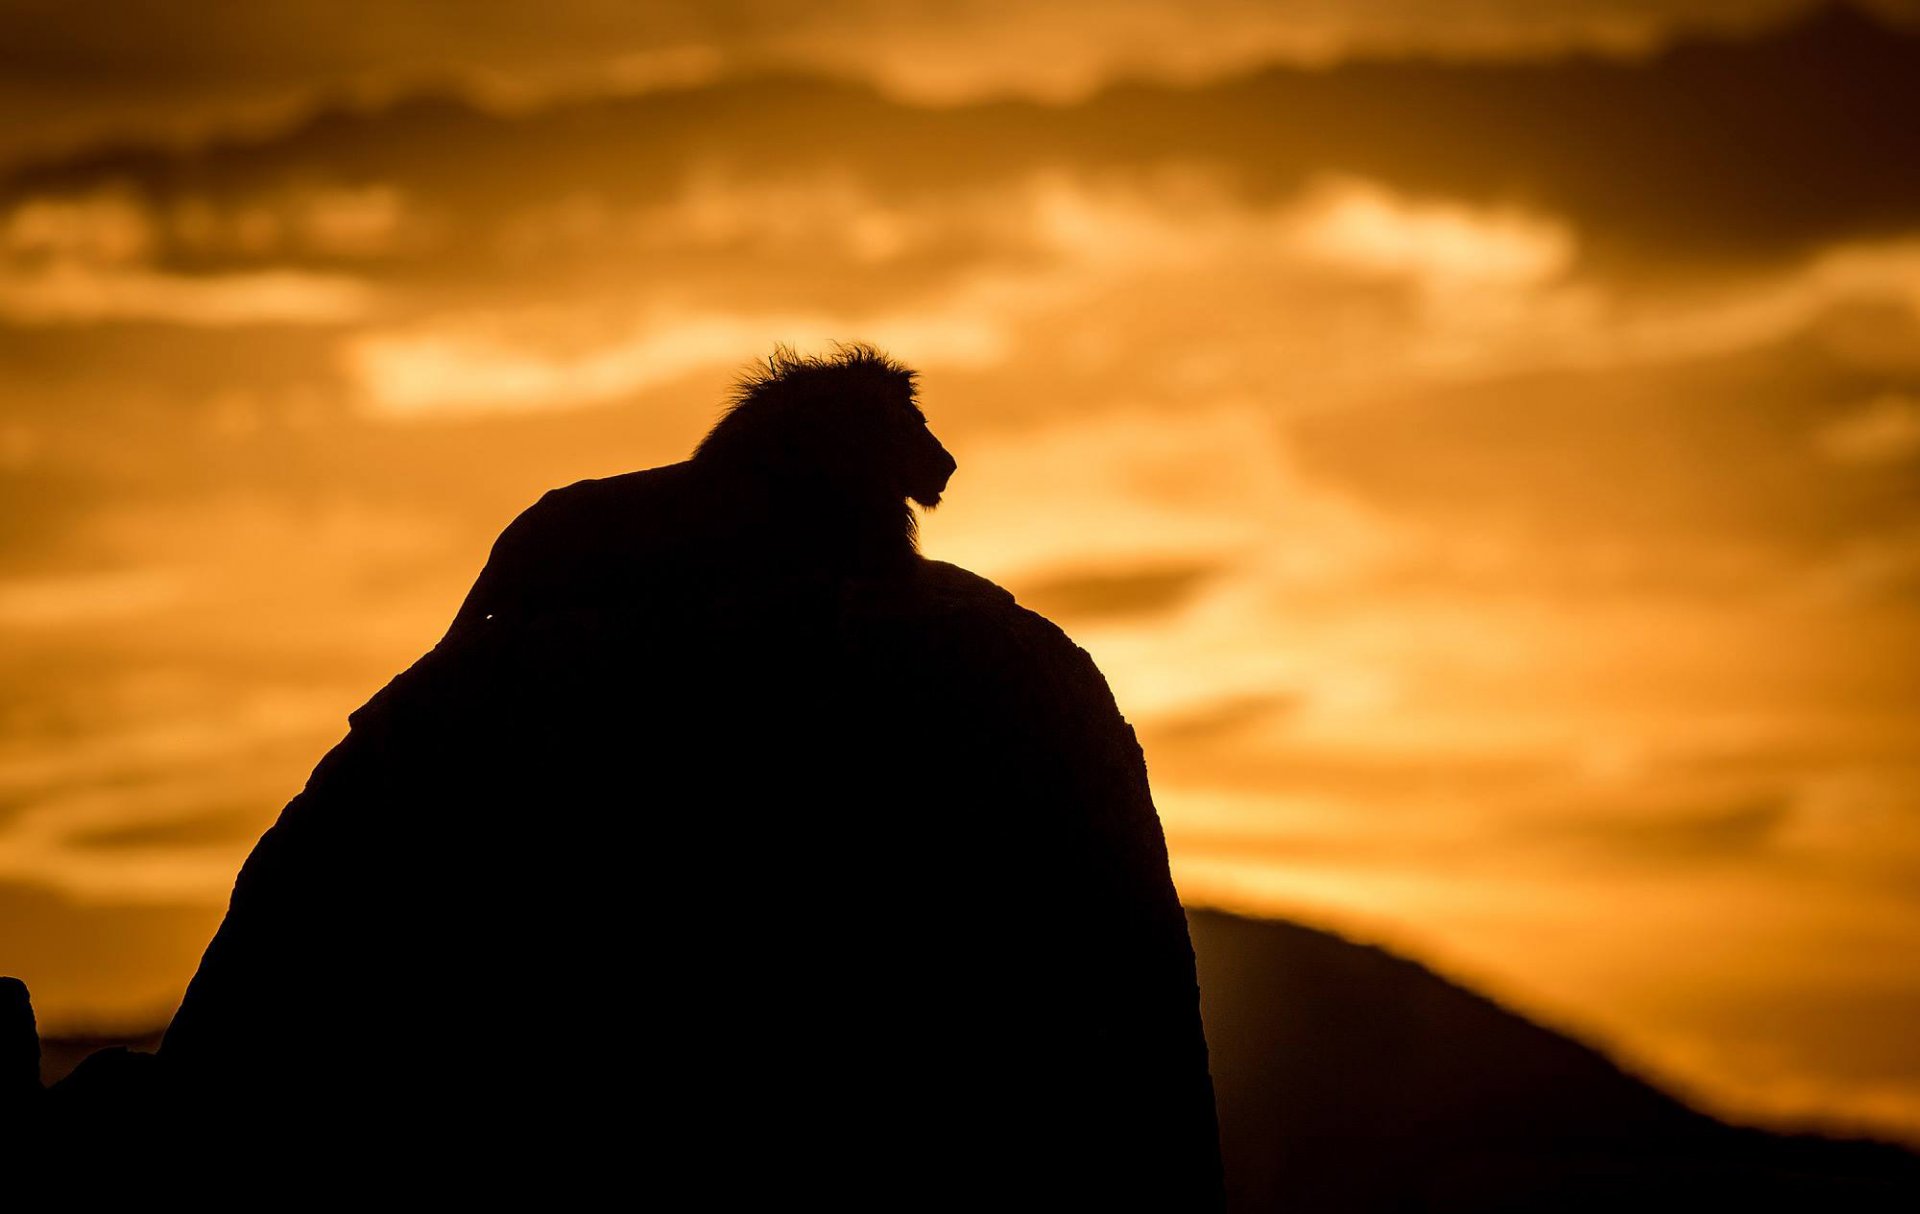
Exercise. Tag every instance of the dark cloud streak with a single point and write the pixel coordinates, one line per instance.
(70, 72)
(1719, 153)
(1113, 594)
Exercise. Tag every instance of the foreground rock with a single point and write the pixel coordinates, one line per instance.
(1354, 1081)
(859, 879)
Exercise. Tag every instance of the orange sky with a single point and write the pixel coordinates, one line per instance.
(1479, 443)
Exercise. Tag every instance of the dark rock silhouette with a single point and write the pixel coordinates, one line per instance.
(62, 1054)
(1350, 1080)
(850, 858)
(19, 1045)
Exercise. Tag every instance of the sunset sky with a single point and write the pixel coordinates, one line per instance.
(1478, 439)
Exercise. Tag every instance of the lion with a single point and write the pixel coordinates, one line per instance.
(810, 470)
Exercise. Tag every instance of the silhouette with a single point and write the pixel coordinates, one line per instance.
(807, 474)
(1350, 1080)
(849, 862)
(19, 1045)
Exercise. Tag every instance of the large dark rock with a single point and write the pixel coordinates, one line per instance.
(858, 878)
(19, 1047)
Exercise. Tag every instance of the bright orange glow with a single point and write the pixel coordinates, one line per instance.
(1500, 519)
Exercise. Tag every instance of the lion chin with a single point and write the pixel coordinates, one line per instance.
(929, 492)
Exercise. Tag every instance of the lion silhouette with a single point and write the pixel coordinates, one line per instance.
(810, 470)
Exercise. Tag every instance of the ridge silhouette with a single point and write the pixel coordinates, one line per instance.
(1355, 1081)
(1350, 1079)
(852, 858)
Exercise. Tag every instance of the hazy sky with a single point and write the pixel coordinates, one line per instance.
(166, 66)
(1486, 473)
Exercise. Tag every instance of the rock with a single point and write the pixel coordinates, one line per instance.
(862, 874)
(19, 1045)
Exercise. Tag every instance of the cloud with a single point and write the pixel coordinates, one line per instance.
(1225, 718)
(476, 368)
(85, 295)
(1693, 439)
(1448, 248)
(234, 827)
(105, 226)
(1884, 430)
(158, 68)
(1708, 157)
(84, 599)
(90, 258)
(1878, 568)
(121, 812)
(353, 222)
(1121, 593)
(1685, 834)
(1118, 490)
(295, 221)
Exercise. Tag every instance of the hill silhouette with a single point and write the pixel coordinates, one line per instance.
(1351, 1080)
